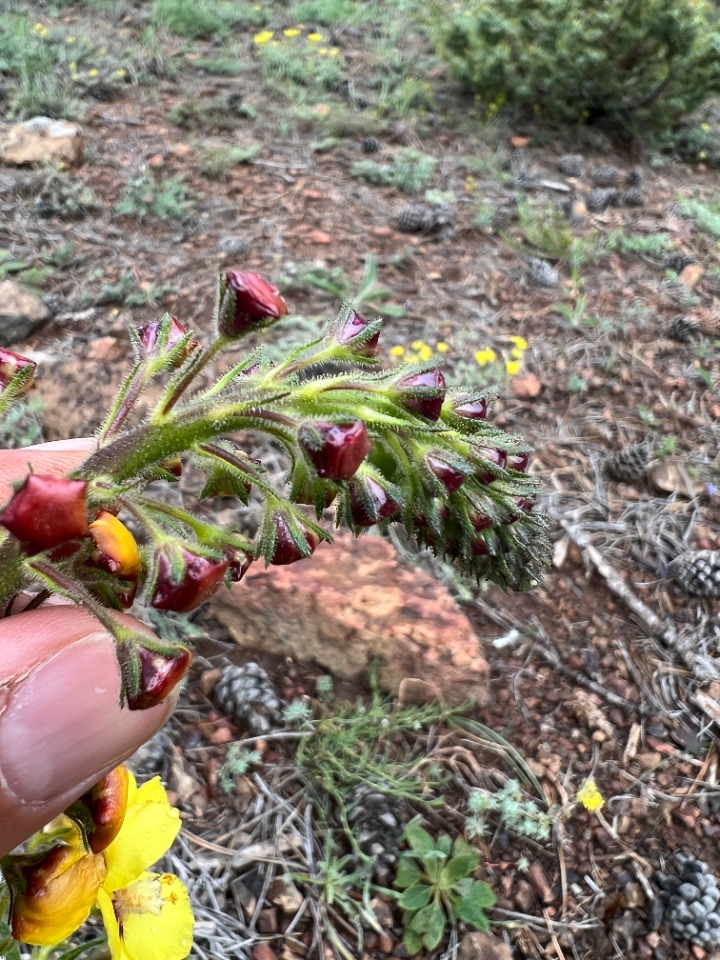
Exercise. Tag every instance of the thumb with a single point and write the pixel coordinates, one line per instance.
(61, 724)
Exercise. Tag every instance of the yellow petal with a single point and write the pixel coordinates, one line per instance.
(150, 919)
(61, 890)
(148, 830)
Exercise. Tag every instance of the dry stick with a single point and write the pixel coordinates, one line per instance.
(699, 666)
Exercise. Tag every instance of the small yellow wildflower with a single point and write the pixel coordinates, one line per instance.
(72, 66)
(322, 51)
(485, 356)
(520, 342)
(334, 52)
(120, 72)
(397, 351)
(314, 37)
(70, 40)
(418, 344)
(442, 347)
(263, 37)
(102, 52)
(590, 797)
(705, 127)
(512, 367)
(92, 73)
(38, 28)
(291, 32)
(425, 352)
(517, 353)
(257, 7)
(702, 155)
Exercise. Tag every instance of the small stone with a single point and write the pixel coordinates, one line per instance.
(386, 942)
(537, 877)
(232, 245)
(21, 311)
(482, 946)
(41, 140)
(267, 921)
(542, 273)
(285, 895)
(263, 951)
(416, 692)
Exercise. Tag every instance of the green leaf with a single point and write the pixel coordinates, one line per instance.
(415, 897)
(434, 926)
(412, 941)
(461, 866)
(461, 846)
(444, 843)
(408, 873)
(418, 838)
(470, 907)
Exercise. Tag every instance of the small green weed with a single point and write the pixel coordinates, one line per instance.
(411, 171)
(576, 384)
(217, 113)
(330, 12)
(147, 196)
(302, 70)
(656, 245)
(238, 761)
(436, 877)
(705, 215)
(216, 162)
(20, 426)
(194, 19)
(336, 282)
(668, 446)
(513, 811)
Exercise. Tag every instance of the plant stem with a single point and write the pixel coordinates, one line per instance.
(179, 385)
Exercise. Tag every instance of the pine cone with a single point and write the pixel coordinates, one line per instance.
(678, 261)
(607, 176)
(152, 757)
(630, 464)
(697, 572)
(571, 165)
(691, 899)
(421, 218)
(542, 273)
(377, 821)
(600, 199)
(633, 178)
(370, 145)
(684, 330)
(247, 694)
(633, 198)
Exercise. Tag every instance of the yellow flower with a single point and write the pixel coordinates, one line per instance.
(72, 66)
(485, 356)
(397, 351)
(291, 32)
(314, 37)
(702, 155)
(705, 127)
(442, 347)
(118, 549)
(70, 40)
(120, 72)
(418, 344)
(520, 342)
(38, 28)
(322, 51)
(590, 797)
(425, 352)
(92, 73)
(517, 353)
(263, 37)
(334, 52)
(512, 367)
(147, 915)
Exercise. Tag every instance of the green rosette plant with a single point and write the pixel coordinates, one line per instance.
(380, 445)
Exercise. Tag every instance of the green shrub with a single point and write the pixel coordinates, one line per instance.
(643, 63)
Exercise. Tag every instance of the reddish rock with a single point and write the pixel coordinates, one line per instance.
(353, 603)
(483, 946)
(263, 951)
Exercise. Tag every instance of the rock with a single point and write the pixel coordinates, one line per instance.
(285, 895)
(483, 946)
(41, 140)
(21, 311)
(413, 691)
(351, 604)
(232, 245)
(263, 951)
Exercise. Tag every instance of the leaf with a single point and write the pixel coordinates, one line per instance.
(418, 838)
(461, 846)
(415, 897)
(444, 844)
(435, 926)
(470, 907)
(460, 866)
(412, 941)
(408, 873)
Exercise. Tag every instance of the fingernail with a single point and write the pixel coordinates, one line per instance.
(61, 725)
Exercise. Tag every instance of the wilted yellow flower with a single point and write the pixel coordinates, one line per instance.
(520, 342)
(314, 37)
(485, 356)
(512, 367)
(263, 37)
(291, 32)
(397, 351)
(92, 73)
(590, 797)
(442, 347)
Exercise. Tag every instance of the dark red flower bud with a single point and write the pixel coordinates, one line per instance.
(47, 511)
(351, 335)
(158, 338)
(11, 364)
(423, 393)
(480, 521)
(518, 461)
(172, 465)
(286, 549)
(248, 300)
(238, 563)
(524, 505)
(449, 475)
(159, 674)
(472, 409)
(106, 803)
(336, 450)
(185, 579)
(370, 503)
(491, 455)
(479, 547)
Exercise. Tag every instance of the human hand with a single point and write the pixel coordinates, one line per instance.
(61, 725)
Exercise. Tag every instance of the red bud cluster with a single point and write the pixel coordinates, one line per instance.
(336, 450)
(185, 579)
(249, 301)
(286, 550)
(46, 511)
(159, 674)
(423, 393)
